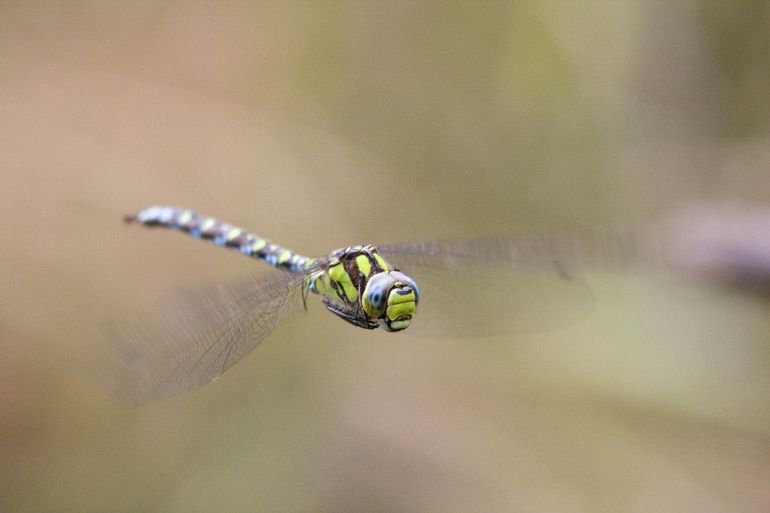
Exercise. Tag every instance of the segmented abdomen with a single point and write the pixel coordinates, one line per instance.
(221, 233)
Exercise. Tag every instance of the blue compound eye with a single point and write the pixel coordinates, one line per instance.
(376, 294)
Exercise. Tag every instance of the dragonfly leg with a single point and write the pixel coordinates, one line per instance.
(305, 292)
(351, 315)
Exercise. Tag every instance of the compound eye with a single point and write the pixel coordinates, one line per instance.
(409, 282)
(376, 294)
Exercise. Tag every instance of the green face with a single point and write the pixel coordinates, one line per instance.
(391, 298)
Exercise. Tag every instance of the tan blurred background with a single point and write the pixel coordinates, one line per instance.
(453, 120)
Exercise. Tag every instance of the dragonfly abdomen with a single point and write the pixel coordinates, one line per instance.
(222, 234)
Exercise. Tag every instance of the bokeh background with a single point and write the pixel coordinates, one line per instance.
(452, 120)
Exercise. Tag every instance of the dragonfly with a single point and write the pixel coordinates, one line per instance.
(449, 289)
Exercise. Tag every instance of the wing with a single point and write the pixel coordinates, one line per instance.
(197, 338)
(526, 284)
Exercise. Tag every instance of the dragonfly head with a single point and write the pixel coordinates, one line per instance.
(391, 297)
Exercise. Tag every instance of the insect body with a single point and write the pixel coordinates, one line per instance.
(471, 288)
(356, 283)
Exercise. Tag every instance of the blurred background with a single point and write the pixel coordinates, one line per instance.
(457, 120)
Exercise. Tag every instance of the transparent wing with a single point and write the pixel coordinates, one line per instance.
(489, 287)
(197, 338)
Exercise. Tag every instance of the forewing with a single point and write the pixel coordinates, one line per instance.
(197, 338)
(489, 287)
